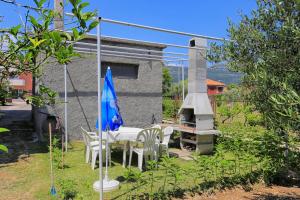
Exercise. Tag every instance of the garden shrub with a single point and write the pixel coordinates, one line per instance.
(234, 162)
(68, 190)
(170, 108)
(252, 117)
(229, 111)
(3, 148)
(57, 153)
(243, 155)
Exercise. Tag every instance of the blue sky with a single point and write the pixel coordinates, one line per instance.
(202, 17)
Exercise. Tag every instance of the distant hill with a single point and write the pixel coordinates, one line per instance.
(216, 72)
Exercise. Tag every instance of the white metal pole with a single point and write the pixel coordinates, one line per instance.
(158, 29)
(162, 29)
(182, 79)
(99, 110)
(66, 108)
(106, 156)
(145, 41)
(130, 48)
(178, 79)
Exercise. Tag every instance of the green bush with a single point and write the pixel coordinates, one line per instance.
(229, 111)
(243, 155)
(68, 189)
(3, 147)
(57, 153)
(170, 108)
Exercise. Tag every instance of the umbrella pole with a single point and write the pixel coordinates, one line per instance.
(108, 185)
(106, 156)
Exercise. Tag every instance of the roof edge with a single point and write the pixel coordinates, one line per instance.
(127, 41)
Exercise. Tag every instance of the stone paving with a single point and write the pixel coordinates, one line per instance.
(16, 117)
(17, 111)
(183, 154)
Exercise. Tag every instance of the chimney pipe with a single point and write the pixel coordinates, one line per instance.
(197, 69)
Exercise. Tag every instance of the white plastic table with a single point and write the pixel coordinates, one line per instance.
(124, 134)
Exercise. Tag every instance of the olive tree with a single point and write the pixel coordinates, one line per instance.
(265, 47)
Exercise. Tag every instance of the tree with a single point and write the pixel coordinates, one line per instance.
(176, 89)
(29, 46)
(36, 42)
(4, 92)
(167, 81)
(265, 48)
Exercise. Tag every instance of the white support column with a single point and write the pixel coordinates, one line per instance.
(66, 108)
(99, 109)
(182, 79)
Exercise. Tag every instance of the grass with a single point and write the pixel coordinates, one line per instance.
(30, 178)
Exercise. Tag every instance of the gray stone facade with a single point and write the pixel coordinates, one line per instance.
(140, 98)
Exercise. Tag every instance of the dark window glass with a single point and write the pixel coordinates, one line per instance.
(120, 70)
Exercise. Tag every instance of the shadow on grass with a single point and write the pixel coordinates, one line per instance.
(20, 147)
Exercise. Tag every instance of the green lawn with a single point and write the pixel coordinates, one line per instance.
(30, 178)
(234, 160)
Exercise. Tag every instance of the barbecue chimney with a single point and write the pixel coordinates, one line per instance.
(196, 108)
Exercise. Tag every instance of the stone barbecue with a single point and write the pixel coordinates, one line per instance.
(196, 114)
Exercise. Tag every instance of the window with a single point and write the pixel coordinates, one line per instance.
(120, 70)
(220, 89)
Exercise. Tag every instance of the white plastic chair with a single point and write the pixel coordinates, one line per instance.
(148, 137)
(95, 153)
(164, 145)
(89, 142)
(92, 146)
(156, 126)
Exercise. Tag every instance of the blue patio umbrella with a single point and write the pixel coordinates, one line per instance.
(111, 120)
(111, 117)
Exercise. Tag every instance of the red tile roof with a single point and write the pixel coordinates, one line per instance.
(210, 82)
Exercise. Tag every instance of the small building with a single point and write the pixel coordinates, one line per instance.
(214, 87)
(138, 84)
(21, 84)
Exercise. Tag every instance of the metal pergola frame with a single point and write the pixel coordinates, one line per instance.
(130, 48)
(100, 52)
